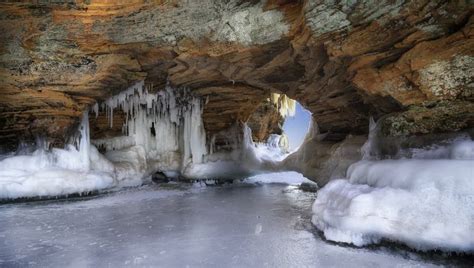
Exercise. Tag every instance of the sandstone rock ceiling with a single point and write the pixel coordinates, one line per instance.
(343, 60)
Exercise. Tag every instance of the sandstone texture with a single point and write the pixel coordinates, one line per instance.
(408, 62)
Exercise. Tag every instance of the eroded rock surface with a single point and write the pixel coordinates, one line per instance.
(343, 60)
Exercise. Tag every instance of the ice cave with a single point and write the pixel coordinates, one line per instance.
(268, 133)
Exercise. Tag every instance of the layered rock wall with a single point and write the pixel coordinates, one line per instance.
(344, 61)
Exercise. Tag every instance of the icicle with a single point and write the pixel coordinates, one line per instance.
(369, 150)
(111, 117)
(157, 123)
(95, 108)
(286, 106)
(85, 143)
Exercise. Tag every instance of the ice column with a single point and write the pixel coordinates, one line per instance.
(84, 142)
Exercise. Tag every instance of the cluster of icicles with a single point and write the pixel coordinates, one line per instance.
(162, 122)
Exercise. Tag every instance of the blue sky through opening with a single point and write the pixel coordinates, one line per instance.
(297, 126)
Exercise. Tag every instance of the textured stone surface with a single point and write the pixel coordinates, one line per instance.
(343, 60)
(264, 121)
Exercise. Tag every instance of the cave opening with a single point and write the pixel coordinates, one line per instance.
(296, 127)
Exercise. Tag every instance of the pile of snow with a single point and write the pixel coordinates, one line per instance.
(424, 203)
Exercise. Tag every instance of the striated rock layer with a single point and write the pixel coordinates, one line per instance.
(345, 61)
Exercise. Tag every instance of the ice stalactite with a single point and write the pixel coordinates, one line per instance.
(95, 109)
(420, 197)
(85, 142)
(166, 124)
(369, 149)
(194, 134)
(285, 105)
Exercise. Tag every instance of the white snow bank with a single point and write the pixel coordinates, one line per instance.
(51, 181)
(424, 203)
(288, 177)
(56, 172)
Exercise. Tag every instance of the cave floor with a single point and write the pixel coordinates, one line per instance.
(238, 225)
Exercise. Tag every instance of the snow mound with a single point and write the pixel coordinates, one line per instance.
(427, 204)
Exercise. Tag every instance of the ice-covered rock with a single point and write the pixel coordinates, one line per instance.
(426, 203)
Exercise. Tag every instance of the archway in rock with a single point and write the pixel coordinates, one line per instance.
(210, 134)
(343, 62)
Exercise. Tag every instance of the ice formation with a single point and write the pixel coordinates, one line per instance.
(163, 131)
(286, 106)
(161, 123)
(275, 149)
(244, 157)
(159, 134)
(57, 171)
(425, 201)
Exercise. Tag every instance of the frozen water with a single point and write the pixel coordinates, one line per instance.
(56, 172)
(156, 122)
(289, 177)
(286, 106)
(233, 226)
(426, 202)
(246, 158)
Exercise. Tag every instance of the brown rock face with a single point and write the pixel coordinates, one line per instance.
(264, 121)
(343, 61)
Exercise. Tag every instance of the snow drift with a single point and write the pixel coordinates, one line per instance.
(426, 202)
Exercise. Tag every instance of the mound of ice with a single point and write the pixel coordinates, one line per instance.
(58, 172)
(424, 203)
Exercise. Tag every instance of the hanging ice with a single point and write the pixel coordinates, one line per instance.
(286, 106)
(155, 121)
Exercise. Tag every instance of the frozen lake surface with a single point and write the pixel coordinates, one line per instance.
(239, 225)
